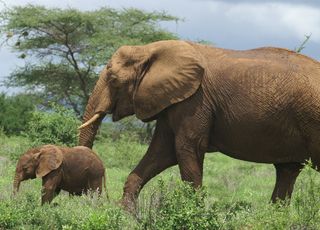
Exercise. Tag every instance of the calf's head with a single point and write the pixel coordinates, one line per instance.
(37, 162)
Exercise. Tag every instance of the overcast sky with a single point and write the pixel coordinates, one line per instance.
(233, 24)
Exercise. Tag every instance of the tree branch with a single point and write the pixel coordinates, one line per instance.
(73, 104)
(74, 63)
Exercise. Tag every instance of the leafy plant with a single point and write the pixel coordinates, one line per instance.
(58, 126)
(15, 112)
(129, 126)
(307, 200)
(302, 45)
(179, 206)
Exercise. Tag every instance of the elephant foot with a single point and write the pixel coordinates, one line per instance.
(131, 190)
(55, 204)
(129, 203)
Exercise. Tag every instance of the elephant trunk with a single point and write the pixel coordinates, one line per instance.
(88, 133)
(16, 183)
(99, 104)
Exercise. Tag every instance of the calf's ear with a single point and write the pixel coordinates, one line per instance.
(50, 158)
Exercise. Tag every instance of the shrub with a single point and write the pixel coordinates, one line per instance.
(15, 113)
(129, 126)
(307, 200)
(58, 126)
(108, 219)
(180, 207)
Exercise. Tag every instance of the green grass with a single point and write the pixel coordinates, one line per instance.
(236, 195)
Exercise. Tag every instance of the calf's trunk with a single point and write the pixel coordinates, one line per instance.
(16, 183)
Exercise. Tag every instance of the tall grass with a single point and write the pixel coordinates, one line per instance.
(236, 195)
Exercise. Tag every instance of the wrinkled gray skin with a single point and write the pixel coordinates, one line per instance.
(260, 105)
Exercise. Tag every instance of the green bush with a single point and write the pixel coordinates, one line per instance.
(307, 200)
(179, 206)
(58, 126)
(15, 113)
(108, 219)
(130, 126)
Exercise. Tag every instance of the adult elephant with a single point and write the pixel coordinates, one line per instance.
(260, 105)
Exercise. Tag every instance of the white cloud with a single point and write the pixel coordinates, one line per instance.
(277, 19)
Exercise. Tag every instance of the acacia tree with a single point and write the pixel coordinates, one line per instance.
(65, 49)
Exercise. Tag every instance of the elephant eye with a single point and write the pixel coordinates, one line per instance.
(109, 75)
(112, 77)
(25, 168)
(115, 82)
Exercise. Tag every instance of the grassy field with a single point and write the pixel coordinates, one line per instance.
(235, 195)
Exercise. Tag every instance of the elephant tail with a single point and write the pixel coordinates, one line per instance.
(104, 185)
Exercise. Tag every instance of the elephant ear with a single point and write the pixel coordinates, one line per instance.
(50, 158)
(174, 73)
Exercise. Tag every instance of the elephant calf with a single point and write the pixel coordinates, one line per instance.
(75, 170)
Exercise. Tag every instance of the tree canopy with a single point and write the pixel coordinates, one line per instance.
(64, 49)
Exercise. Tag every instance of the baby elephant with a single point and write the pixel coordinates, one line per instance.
(75, 170)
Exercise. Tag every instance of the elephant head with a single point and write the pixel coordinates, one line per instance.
(37, 162)
(142, 80)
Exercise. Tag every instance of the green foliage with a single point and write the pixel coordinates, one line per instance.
(307, 198)
(108, 219)
(15, 112)
(236, 196)
(179, 206)
(70, 213)
(130, 127)
(58, 126)
(66, 48)
(13, 147)
(124, 153)
(302, 45)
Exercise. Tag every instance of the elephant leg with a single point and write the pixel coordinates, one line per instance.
(192, 122)
(77, 193)
(286, 175)
(95, 185)
(190, 160)
(49, 186)
(57, 192)
(160, 156)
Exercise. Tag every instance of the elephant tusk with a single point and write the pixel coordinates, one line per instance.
(90, 121)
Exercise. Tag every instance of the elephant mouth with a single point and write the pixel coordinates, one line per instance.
(115, 117)
(115, 114)
(112, 109)
(100, 114)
